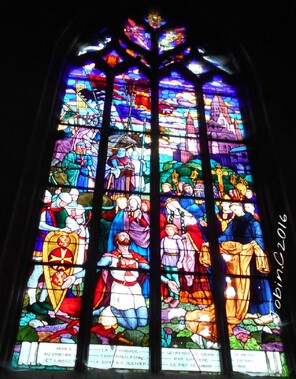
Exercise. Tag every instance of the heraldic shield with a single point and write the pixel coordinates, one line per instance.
(59, 254)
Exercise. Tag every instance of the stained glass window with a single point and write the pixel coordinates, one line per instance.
(150, 253)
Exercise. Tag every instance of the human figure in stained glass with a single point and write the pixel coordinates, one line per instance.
(47, 224)
(172, 255)
(246, 230)
(136, 222)
(246, 269)
(140, 168)
(77, 166)
(120, 172)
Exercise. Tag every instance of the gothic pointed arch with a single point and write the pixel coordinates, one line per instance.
(148, 251)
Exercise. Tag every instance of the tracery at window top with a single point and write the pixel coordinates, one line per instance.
(199, 135)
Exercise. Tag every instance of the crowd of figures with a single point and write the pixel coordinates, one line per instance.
(121, 296)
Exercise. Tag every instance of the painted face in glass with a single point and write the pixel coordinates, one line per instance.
(121, 152)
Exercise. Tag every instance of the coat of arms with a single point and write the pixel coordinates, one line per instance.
(60, 251)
